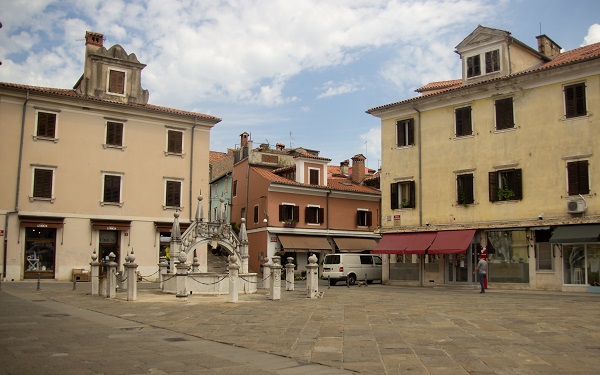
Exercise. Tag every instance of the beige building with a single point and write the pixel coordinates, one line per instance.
(94, 168)
(505, 158)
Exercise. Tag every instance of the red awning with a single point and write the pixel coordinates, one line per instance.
(451, 242)
(404, 243)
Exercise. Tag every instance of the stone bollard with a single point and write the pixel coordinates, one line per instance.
(182, 274)
(266, 281)
(111, 276)
(234, 270)
(162, 270)
(289, 274)
(95, 274)
(312, 281)
(276, 279)
(131, 276)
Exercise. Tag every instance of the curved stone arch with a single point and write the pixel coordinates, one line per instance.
(231, 248)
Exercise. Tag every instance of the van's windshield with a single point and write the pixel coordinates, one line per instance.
(332, 259)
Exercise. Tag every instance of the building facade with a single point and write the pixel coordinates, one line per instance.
(95, 169)
(503, 159)
(294, 208)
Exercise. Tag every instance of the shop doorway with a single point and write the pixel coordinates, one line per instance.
(459, 267)
(109, 243)
(40, 253)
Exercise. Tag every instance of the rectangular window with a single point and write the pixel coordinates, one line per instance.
(544, 257)
(255, 214)
(46, 125)
(504, 114)
(464, 189)
(112, 189)
(289, 213)
(43, 183)
(505, 185)
(405, 132)
(175, 142)
(364, 218)
(172, 193)
(575, 105)
(473, 66)
(114, 133)
(403, 195)
(463, 121)
(492, 61)
(314, 215)
(313, 176)
(234, 189)
(578, 177)
(116, 82)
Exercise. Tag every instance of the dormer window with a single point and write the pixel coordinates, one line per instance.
(313, 175)
(491, 61)
(116, 82)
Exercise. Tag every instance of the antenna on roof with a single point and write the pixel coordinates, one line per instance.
(540, 28)
(291, 139)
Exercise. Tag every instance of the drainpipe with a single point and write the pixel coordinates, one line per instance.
(422, 257)
(327, 210)
(509, 59)
(17, 187)
(192, 169)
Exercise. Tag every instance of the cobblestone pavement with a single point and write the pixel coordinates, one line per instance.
(377, 329)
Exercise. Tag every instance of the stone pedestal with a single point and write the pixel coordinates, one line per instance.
(234, 270)
(111, 276)
(131, 277)
(276, 279)
(289, 274)
(312, 281)
(162, 270)
(182, 274)
(95, 274)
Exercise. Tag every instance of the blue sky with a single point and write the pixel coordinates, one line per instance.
(300, 72)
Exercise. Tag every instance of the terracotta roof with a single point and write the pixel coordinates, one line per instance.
(334, 183)
(72, 93)
(574, 56)
(305, 154)
(440, 85)
(216, 156)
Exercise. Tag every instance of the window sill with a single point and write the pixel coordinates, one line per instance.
(120, 204)
(575, 118)
(314, 224)
(167, 153)
(506, 130)
(122, 148)
(37, 138)
(33, 199)
(466, 136)
(399, 147)
(177, 208)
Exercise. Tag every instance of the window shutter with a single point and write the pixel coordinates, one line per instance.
(321, 215)
(394, 196)
(583, 177)
(493, 186)
(306, 214)
(411, 132)
(358, 218)
(504, 114)
(46, 124)
(112, 188)
(469, 189)
(412, 194)
(518, 184)
(296, 213)
(572, 179)
(369, 218)
(42, 184)
(580, 100)
(175, 142)
(399, 133)
(281, 212)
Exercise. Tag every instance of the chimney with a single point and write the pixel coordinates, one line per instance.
(280, 146)
(547, 47)
(344, 167)
(358, 168)
(244, 139)
(94, 39)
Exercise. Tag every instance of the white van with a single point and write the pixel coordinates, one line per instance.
(351, 267)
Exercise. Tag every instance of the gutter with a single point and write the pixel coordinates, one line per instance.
(421, 257)
(17, 187)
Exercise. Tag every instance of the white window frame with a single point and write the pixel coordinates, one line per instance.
(404, 123)
(166, 181)
(35, 167)
(318, 175)
(365, 210)
(482, 62)
(106, 145)
(182, 131)
(108, 81)
(317, 207)
(108, 173)
(35, 131)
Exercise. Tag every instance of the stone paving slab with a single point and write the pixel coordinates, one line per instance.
(375, 330)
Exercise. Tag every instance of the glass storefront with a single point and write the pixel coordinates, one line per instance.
(40, 252)
(508, 258)
(404, 267)
(581, 264)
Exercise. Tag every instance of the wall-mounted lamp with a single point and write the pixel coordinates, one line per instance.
(266, 219)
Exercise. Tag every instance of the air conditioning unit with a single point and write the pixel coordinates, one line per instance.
(576, 206)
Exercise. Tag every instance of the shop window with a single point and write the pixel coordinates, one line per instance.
(508, 256)
(40, 252)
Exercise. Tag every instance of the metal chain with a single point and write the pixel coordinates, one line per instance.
(216, 282)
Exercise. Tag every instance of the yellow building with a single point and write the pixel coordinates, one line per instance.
(94, 168)
(505, 159)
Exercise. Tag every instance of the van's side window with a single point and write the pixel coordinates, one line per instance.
(366, 259)
(378, 261)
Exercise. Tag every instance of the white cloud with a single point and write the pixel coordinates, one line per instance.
(593, 35)
(373, 147)
(331, 88)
